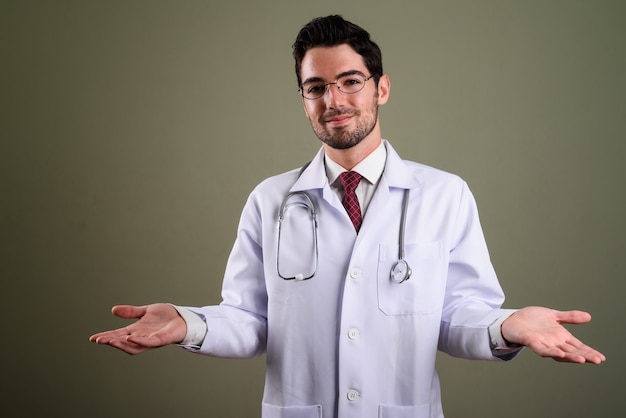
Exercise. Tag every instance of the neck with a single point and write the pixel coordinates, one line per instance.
(350, 157)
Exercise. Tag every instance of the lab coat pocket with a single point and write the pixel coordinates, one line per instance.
(422, 293)
(394, 411)
(274, 411)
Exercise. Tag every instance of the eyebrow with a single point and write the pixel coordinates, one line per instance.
(344, 74)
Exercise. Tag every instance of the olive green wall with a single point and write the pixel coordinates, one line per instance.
(121, 119)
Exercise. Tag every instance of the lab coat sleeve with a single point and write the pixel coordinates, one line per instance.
(237, 327)
(473, 294)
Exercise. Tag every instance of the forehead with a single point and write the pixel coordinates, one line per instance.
(328, 62)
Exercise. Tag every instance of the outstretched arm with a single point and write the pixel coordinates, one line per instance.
(540, 330)
(157, 325)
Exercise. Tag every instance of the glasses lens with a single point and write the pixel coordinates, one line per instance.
(313, 90)
(351, 83)
(348, 84)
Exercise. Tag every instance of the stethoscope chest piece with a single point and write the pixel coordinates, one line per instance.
(400, 272)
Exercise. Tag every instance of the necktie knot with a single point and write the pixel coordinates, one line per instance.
(350, 180)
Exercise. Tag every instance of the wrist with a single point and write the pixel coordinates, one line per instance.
(507, 341)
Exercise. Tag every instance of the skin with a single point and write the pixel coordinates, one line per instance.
(540, 330)
(349, 128)
(157, 325)
(340, 116)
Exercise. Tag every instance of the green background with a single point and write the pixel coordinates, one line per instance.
(121, 121)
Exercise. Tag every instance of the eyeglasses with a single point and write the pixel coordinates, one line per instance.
(347, 84)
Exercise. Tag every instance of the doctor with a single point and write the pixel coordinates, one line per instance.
(345, 333)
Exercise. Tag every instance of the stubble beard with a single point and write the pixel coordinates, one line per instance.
(343, 138)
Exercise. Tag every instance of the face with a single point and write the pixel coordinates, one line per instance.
(340, 120)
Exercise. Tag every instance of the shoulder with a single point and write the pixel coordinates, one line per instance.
(406, 173)
(432, 174)
(270, 192)
(282, 181)
(432, 179)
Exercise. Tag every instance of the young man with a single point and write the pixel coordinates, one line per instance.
(356, 290)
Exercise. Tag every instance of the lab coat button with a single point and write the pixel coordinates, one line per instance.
(353, 334)
(355, 273)
(353, 395)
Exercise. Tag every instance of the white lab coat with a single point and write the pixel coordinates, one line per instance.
(350, 343)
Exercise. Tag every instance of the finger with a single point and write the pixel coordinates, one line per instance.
(127, 346)
(547, 351)
(129, 311)
(568, 351)
(595, 358)
(150, 341)
(589, 354)
(583, 356)
(570, 358)
(559, 355)
(574, 351)
(573, 317)
(106, 336)
(120, 339)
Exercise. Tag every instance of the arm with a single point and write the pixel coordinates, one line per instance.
(473, 294)
(157, 325)
(478, 297)
(540, 330)
(238, 324)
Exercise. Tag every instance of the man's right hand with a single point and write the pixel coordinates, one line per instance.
(157, 325)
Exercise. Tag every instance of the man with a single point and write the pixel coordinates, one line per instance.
(356, 290)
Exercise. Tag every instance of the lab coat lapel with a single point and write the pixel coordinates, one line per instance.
(397, 173)
(313, 178)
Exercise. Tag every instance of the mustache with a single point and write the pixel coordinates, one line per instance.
(338, 112)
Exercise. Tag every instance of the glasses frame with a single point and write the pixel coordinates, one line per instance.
(336, 82)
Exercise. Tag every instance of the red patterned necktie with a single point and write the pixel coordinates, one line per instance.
(349, 180)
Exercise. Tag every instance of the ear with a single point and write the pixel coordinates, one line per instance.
(384, 88)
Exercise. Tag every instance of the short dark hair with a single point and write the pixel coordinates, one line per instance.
(333, 31)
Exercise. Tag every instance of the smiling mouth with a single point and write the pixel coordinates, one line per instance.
(338, 118)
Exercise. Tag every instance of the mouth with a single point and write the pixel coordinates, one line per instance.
(338, 119)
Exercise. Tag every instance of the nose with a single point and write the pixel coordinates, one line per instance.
(333, 97)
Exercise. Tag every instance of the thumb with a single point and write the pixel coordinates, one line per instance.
(573, 317)
(129, 311)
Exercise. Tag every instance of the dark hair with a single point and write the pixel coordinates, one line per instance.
(333, 31)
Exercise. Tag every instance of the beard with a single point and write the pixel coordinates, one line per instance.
(344, 138)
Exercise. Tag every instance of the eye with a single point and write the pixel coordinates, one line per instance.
(351, 81)
(315, 88)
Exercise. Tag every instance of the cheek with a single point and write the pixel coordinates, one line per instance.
(310, 109)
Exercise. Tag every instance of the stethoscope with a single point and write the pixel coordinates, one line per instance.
(400, 271)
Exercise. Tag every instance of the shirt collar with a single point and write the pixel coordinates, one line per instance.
(371, 168)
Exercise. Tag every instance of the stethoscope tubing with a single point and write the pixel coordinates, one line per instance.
(281, 215)
(400, 272)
